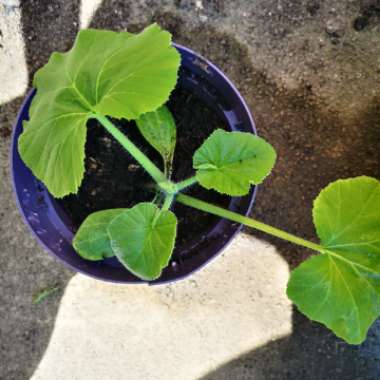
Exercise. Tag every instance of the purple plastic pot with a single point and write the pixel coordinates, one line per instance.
(53, 229)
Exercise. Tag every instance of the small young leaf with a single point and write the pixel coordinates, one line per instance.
(230, 162)
(158, 128)
(91, 240)
(341, 288)
(143, 239)
(113, 73)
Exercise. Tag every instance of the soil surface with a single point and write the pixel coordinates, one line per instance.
(113, 179)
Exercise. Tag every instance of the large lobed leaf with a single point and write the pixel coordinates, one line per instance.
(159, 129)
(341, 288)
(143, 239)
(230, 162)
(113, 73)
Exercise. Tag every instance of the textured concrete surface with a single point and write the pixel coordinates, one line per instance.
(24, 267)
(13, 71)
(309, 70)
(180, 331)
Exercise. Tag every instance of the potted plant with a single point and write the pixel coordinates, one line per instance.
(130, 77)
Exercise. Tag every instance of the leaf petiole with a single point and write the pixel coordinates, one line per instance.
(186, 183)
(167, 202)
(219, 211)
(163, 182)
(133, 150)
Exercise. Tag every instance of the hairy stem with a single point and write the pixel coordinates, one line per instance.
(219, 211)
(132, 149)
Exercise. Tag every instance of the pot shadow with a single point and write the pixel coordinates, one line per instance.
(307, 136)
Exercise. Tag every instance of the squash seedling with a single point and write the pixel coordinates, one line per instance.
(122, 75)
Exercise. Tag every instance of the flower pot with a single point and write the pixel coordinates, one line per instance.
(51, 226)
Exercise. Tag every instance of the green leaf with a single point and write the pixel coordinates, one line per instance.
(341, 288)
(112, 73)
(42, 295)
(158, 128)
(91, 240)
(143, 239)
(230, 162)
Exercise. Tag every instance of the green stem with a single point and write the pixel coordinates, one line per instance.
(186, 183)
(133, 150)
(167, 202)
(219, 211)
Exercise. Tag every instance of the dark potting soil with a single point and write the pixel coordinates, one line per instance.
(113, 179)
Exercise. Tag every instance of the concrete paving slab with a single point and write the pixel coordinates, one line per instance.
(180, 331)
(13, 70)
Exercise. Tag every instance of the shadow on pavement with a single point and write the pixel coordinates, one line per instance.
(311, 353)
